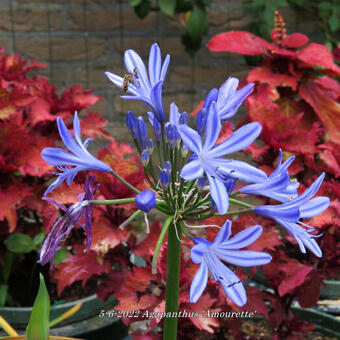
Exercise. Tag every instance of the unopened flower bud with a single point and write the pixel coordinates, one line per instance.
(167, 165)
(150, 145)
(145, 157)
(141, 131)
(184, 151)
(164, 178)
(131, 122)
(146, 200)
(184, 118)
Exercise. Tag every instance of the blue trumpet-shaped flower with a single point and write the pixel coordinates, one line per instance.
(210, 254)
(228, 100)
(68, 221)
(146, 200)
(278, 185)
(208, 157)
(289, 214)
(144, 86)
(81, 159)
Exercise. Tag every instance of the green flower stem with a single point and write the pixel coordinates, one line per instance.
(131, 187)
(148, 179)
(235, 193)
(165, 228)
(172, 281)
(241, 204)
(112, 202)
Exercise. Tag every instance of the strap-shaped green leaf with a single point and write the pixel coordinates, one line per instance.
(38, 326)
(167, 6)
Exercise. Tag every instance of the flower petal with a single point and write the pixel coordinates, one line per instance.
(243, 258)
(198, 250)
(212, 129)
(311, 191)
(199, 283)
(67, 138)
(235, 292)
(243, 239)
(219, 194)
(155, 61)
(192, 170)
(314, 207)
(224, 233)
(156, 99)
(57, 156)
(165, 67)
(117, 80)
(190, 138)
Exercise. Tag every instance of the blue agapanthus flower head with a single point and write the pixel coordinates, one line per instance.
(80, 158)
(72, 216)
(142, 85)
(211, 254)
(278, 185)
(290, 213)
(209, 158)
(146, 200)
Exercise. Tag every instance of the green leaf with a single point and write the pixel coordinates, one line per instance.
(143, 9)
(197, 24)
(167, 6)
(134, 3)
(7, 266)
(38, 326)
(19, 243)
(38, 239)
(60, 256)
(3, 294)
(325, 6)
(334, 22)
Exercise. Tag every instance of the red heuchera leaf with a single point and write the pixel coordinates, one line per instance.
(81, 266)
(295, 40)
(112, 284)
(319, 55)
(266, 75)
(255, 302)
(204, 304)
(106, 236)
(92, 125)
(239, 42)
(308, 293)
(10, 202)
(147, 247)
(327, 109)
(295, 275)
(67, 194)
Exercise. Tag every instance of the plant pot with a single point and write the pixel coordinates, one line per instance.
(86, 322)
(330, 298)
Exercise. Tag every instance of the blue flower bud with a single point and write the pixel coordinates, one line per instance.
(164, 177)
(146, 200)
(201, 183)
(184, 118)
(168, 166)
(141, 131)
(145, 157)
(150, 145)
(172, 135)
(131, 122)
(157, 129)
(201, 121)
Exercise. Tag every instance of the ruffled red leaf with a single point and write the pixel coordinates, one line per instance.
(239, 42)
(295, 40)
(308, 294)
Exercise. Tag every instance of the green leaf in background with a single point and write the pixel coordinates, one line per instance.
(38, 326)
(3, 294)
(60, 256)
(143, 9)
(134, 3)
(167, 6)
(334, 22)
(197, 24)
(38, 239)
(20, 243)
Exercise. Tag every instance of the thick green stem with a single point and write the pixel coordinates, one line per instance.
(172, 282)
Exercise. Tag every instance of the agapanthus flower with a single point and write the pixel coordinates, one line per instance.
(81, 159)
(278, 185)
(146, 200)
(209, 256)
(146, 87)
(289, 215)
(208, 157)
(228, 100)
(72, 216)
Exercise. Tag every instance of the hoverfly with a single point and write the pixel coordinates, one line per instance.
(129, 78)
